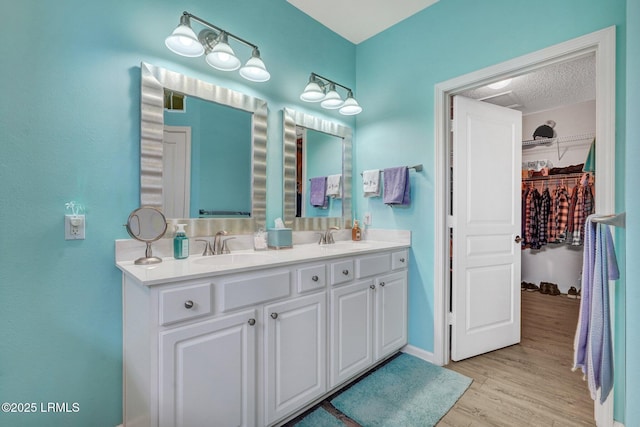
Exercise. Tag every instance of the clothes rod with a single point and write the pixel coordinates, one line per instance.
(617, 220)
(417, 168)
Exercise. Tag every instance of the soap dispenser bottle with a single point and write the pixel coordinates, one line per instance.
(180, 243)
(356, 233)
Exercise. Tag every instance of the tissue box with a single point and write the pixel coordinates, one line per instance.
(279, 238)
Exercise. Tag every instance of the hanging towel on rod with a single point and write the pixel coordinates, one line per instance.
(397, 189)
(318, 196)
(593, 352)
(334, 186)
(371, 183)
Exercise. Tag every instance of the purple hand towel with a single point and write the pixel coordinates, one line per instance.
(318, 197)
(397, 190)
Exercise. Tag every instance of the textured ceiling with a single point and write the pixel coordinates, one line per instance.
(357, 20)
(550, 87)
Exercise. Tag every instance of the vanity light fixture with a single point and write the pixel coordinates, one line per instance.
(214, 41)
(323, 90)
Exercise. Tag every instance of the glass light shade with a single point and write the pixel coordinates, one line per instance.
(222, 56)
(350, 106)
(183, 40)
(255, 70)
(312, 92)
(332, 99)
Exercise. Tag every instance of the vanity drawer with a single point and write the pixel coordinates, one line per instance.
(184, 303)
(341, 271)
(399, 260)
(372, 265)
(311, 278)
(244, 290)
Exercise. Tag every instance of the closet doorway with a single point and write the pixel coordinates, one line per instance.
(602, 45)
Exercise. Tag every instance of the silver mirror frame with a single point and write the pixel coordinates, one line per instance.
(153, 82)
(291, 119)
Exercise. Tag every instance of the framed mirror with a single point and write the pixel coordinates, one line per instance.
(218, 180)
(313, 148)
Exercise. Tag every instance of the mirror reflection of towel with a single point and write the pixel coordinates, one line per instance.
(318, 196)
(397, 189)
(371, 183)
(334, 187)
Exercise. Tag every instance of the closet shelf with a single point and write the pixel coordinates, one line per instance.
(559, 176)
(559, 139)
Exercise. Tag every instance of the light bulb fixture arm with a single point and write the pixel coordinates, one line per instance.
(327, 80)
(220, 30)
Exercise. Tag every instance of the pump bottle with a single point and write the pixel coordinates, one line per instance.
(356, 233)
(180, 243)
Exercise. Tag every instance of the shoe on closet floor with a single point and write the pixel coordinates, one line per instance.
(531, 287)
(553, 289)
(572, 293)
(544, 287)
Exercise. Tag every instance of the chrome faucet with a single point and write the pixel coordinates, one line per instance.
(217, 244)
(208, 250)
(326, 238)
(225, 246)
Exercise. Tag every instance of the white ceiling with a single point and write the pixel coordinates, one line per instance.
(357, 20)
(550, 87)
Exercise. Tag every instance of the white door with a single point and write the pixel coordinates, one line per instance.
(176, 171)
(295, 351)
(487, 150)
(208, 373)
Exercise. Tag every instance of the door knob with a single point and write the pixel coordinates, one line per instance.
(518, 239)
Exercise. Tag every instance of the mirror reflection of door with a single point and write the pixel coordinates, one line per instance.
(218, 166)
(318, 154)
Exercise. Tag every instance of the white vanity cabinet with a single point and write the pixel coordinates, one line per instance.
(368, 319)
(256, 347)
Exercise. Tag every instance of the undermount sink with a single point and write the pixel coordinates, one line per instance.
(235, 259)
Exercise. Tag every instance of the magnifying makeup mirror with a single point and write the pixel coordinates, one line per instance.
(147, 224)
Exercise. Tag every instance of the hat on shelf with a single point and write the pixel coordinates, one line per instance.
(545, 130)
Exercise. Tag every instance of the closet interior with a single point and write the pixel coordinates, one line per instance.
(558, 193)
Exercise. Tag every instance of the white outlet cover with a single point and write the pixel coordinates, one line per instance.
(74, 227)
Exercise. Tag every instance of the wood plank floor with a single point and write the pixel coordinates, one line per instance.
(531, 383)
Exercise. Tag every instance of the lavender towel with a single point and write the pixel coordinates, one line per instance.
(318, 197)
(593, 352)
(397, 190)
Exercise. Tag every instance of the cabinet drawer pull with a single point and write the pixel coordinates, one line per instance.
(274, 315)
(372, 286)
(401, 259)
(345, 272)
(188, 304)
(314, 278)
(252, 322)
(381, 283)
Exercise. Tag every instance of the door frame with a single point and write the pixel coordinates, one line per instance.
(602, 43)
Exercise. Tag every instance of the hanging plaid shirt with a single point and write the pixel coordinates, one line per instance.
(543, 216)
(561, 214)
(533, 210)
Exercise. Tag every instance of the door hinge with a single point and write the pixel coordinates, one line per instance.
(451, 318)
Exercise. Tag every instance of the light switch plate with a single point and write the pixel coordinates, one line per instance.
(367, 218)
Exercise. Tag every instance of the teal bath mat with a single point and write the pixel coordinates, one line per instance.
(407, 392)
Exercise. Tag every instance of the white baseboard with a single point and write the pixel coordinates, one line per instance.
(418, 352)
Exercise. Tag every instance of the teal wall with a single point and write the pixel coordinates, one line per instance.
(69, 130)
(396, 74)
(631, 180)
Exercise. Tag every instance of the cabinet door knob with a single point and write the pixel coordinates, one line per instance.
(274, 315)
(372, 286)
(381, 283)
(314, 278)
(401, 259)
(188, 304)
(252, 322)
(345, 272)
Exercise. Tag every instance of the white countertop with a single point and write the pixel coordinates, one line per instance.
(197, 266)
